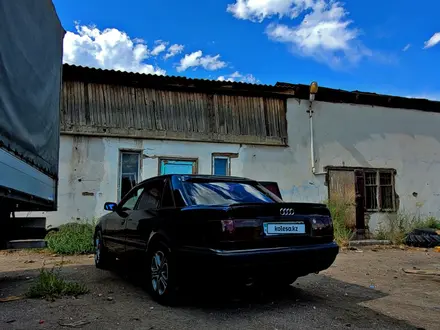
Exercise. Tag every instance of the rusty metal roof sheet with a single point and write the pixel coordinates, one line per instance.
(104, 76)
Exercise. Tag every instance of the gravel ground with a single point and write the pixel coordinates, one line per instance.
(362, 290)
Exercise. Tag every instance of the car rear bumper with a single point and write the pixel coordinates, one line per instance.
(297, 260)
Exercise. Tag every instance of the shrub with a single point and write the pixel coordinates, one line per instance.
(341, 211)
(400, 224)
(430, 222)
(72, 238)
(49, 285)
(394, 229)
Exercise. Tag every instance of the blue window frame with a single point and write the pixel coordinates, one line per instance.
(177, 166)
(221, 165)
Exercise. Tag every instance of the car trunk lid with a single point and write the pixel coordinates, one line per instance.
(266, 225)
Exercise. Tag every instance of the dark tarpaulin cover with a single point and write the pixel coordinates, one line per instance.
(31, 51)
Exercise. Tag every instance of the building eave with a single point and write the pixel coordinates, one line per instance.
(363, 98)
(103, 76)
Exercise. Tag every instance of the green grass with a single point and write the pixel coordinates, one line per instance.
(398, 225)
(72, 238)
(394, 229)
(340, 211)
(49, 285)
(430, 222)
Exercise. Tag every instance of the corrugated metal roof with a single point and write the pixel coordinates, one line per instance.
(356, 97)
(95, 75)
(280, 89)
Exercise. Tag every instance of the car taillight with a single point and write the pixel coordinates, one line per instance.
(228, 226)
(328, 221)
(322, 226)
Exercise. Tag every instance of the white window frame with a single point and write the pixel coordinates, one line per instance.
(228, 166)
(139, 172)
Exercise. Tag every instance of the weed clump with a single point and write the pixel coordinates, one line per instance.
(341, 212)
(397, 226)
(49, 285)
(72, 238)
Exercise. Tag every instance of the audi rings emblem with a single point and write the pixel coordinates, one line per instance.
(287, 212)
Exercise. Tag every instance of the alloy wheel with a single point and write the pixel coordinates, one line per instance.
(97, 250)
(159, 273)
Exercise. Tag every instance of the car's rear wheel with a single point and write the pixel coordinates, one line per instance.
(161, 274)
(103, 258)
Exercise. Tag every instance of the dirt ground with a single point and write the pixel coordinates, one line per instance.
(363, 290)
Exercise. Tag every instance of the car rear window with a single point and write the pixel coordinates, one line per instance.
(225, 193)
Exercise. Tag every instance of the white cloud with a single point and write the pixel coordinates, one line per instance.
(249, 78)
(237, 76)
(190, 60)
(408, 46)
(161, 47)
(325, 33)
(258, 10)
(197, 59)
(107, 49)
(426, 96)
(212, 62)
(434, 40)
(174, 50)
(224, 78)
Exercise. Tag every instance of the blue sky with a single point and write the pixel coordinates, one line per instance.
(375, 46)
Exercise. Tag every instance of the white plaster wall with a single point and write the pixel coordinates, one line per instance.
(91, 165)
(367, 136)
(345, 135)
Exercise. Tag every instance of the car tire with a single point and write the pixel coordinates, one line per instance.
(161, 274)
(425, 231)
(103, 258)
(426, 241)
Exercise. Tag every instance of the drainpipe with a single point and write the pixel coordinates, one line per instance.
(312, 142)
(313, 91)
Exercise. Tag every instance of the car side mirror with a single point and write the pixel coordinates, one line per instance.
(109, 206)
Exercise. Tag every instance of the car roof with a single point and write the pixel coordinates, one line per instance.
(200, 177)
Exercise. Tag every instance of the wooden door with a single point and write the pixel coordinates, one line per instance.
(342, 194)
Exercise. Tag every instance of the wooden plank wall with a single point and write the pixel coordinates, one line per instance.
(120, 111)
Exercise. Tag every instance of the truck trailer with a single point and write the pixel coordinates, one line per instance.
(31, 52)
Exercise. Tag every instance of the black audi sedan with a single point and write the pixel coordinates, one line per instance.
(193, 227)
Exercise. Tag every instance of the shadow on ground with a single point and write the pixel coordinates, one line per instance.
(318, 293)
(319, 297)
(311, 289)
